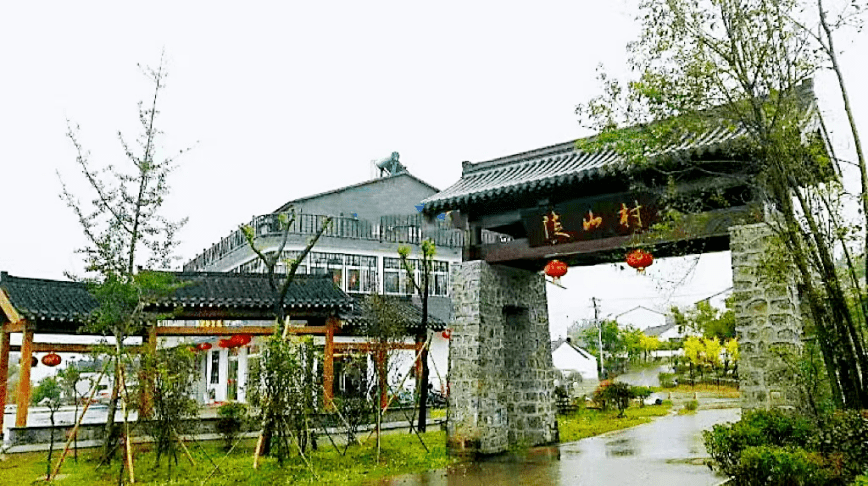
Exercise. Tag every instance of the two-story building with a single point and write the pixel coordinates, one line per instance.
(371, 220)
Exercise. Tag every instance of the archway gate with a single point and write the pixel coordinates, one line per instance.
(585, 208)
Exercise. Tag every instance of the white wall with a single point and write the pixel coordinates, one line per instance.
(565, 358)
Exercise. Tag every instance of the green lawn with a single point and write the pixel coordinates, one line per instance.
(589, 422)
(401, 454)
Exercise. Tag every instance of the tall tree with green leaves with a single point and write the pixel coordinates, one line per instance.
(744, 66)
(124, 227)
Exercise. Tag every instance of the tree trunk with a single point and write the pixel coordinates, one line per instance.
(422, 337)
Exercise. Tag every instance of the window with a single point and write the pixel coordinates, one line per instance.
(395, 280)
(439, 284)
(361, 273)
(328, 264)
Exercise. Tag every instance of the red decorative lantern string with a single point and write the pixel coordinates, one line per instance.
(203, 346)
(51, 359)
(640, 259)
(224, 343)
(556, 269)
(447, 333)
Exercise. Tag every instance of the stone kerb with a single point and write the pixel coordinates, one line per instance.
(768, 320)
(501, 385)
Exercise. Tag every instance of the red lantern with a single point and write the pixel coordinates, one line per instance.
(33, 361)
(203, 346)
(447, 333)
(224, 343)
(51, 359)
(556, 269)
(640, 259)
(239, 340)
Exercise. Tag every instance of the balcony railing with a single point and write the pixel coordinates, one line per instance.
(410, 229)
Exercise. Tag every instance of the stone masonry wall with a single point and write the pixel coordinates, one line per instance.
(767, 318)
(500, 364)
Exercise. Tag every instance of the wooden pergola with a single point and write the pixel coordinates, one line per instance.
(29, 306)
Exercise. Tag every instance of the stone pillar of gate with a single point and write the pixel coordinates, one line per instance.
(501, 379)
(768, 320)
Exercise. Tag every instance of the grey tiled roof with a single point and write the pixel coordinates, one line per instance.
(48, 300)
(549, 167)
(404, 308)
(252, 290)
(658, 330)
(39, 299)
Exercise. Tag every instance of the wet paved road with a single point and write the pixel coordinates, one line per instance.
(661, 453)
(643, 377)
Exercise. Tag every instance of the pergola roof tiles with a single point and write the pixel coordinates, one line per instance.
(55, 300)
(401, 307)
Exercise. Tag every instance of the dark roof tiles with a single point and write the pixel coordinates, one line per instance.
(38, 299)
(547, 167)
(404, 308)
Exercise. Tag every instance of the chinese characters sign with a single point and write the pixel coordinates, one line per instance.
(586, 219)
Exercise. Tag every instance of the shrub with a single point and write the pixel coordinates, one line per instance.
(667, 380)
(231, 418)
(776, 466)
(726, 442)
(843, 436)
(618, 394)
(691, 406)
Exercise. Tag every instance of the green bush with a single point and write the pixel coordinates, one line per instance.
(776, 466)
(726, 442)
(231, 418)
(667, 380)
(617, 393)
(692, 405)
(776, 447)
(843, 436)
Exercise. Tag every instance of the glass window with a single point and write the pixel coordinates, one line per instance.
(391, 283)
(396, 276)
(361, 273)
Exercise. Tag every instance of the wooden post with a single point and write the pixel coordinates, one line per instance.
(24, 377)
(4, 368)
(418, 363)
(380, 359)
(328, 378)
(150, 347)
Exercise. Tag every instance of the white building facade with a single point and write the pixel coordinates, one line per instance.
(359, 250)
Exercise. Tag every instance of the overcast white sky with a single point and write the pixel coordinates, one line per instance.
(285, 99)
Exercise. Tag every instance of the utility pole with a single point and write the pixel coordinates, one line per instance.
(599, 335)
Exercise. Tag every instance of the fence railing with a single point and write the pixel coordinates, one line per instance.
(409, 229)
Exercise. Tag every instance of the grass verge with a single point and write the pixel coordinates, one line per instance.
(401, 454)
(589, 422)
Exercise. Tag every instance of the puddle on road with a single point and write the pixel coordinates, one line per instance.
(664, 452)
